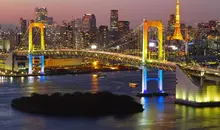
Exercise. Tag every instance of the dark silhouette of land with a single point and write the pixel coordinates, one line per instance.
(78, 104)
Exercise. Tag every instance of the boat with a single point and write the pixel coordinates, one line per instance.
(101, 75)
(133, 85)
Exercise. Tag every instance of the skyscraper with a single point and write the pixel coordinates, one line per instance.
(41, 15)
(89, 23)
(23, 25)
(77, 25)
(50, 20)
(103, 36)
(172, 19)
(18, 38)
(89, 29)
(66, 33)
(171, 25)
(123, 27)
(114, 20)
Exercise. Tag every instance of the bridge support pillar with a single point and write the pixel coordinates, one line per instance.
(30, 64)
(145, 79)
(160, 80)
(42, 64)
(201, 81)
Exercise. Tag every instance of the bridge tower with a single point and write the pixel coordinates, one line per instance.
(177, 33)
(31, 47)
(159, 26)
(145, 58)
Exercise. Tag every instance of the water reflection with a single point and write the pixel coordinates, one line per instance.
(35, 84)
(197, 118)
(155, 116)
(42, 79)
(95, 84)
(2, 80)
(160, 104)
(159, 113)
(11, 79)
(22, 79)
(30, 79)
(33, 123)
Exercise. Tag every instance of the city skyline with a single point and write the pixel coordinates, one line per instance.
(134, 12)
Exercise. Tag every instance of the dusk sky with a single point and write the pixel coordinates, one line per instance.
(133, 10)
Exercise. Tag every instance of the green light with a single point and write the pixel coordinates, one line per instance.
(200, 95)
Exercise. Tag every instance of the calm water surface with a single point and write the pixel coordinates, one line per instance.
(160, 113)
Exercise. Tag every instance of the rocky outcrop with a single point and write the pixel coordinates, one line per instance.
(78, 104)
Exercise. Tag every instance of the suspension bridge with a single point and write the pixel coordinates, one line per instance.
(136, 51)
(140, 54)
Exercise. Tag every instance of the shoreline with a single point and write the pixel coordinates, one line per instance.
(72, 73)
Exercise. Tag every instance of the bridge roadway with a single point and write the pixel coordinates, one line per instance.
(118, 57)
(206, 73)
(110, 56)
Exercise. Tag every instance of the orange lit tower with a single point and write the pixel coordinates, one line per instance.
(31, 47)
(177, 33)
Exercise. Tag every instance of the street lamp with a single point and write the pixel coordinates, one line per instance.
(93, 47)
(117, 47)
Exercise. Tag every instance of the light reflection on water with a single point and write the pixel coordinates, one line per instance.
(156, 116)
(200, 118)
(22, 79)
(95, 84)
(159, 114)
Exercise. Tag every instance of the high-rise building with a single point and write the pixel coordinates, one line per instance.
(171, 25)
(89, 29)
(41, 15)
(18, 39)
(103, 39)
(66, 32)
(172, 20)
(77, 24)
(123, 27)
(31, 21)
(23, 25)
(78, 38)
(50, 20)
(114, 20)
(89, 23)
(114, 34)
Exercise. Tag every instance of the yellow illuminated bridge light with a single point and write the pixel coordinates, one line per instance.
(158, 24)
(31, 46)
